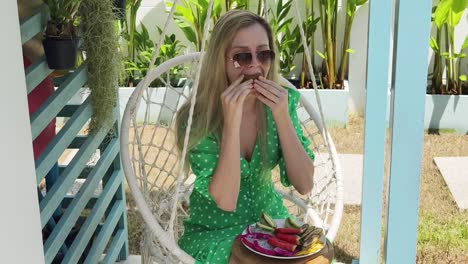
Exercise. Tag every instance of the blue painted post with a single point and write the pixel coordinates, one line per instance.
(375, 129)
(410, 65)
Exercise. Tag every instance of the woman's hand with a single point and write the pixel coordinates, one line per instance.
(274, 96)
(233, 100)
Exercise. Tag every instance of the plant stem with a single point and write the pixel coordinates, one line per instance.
(304, 62)
(330, 49)
(335, 30)
(344, 54)
(312, 41)
(322, 22)
(452, 59)
(447, 60)
(197, 21)
(437, 72)
(131, 43)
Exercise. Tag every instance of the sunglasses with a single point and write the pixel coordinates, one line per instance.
(245, 58)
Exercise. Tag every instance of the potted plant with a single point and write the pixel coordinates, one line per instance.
(447, 99)
(60, 37)
(127, 32)
(332, 76)
(310, 26)
(190, 17)
(446, 16)
(286, 39)
(119, 8)
(170, 48)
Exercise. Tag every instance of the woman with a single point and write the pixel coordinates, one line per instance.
(244, 124)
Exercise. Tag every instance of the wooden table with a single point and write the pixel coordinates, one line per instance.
(241, 255)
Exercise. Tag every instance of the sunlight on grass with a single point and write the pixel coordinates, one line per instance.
(444, 230)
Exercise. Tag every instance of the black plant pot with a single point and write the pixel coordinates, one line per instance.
(294, 82)
(60, 53)
(119, 8)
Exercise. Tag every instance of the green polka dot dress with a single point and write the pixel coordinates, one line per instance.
(210, 231)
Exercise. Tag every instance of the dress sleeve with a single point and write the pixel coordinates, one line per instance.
(293, 101)
(203, 160)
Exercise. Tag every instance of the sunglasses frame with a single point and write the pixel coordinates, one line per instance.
(237, 64)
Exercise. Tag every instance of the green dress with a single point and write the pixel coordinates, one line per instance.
(210, 231)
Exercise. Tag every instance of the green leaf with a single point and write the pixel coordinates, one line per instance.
(450, 12)
(185, 14)
(433, 44)
(465, 43)
(350, 7)
(217, 8)
(283, 9)
(455, 18)
(442, 12)
(462, 78)
(323, 56)
(284, 25)
(350, 51)
(189, 33)
(360, 2)
(459, 5)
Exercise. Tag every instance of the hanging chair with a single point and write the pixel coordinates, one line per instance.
(152, 164)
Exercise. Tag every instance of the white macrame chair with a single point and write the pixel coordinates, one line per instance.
(151, 163)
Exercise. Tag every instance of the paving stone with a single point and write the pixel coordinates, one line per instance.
(454, 170)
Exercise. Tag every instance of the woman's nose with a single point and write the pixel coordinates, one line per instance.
(255, 61)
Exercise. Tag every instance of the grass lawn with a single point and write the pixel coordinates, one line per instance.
(442, 230)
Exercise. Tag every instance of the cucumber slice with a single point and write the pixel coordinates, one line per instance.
(265, 227)
(269, 220)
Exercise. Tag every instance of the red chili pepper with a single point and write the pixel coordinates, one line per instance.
(276, 242)
(291, 238)
(285, 230)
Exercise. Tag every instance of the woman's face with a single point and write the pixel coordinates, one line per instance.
(251, 40)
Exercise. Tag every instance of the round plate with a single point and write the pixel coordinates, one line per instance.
(263, 243)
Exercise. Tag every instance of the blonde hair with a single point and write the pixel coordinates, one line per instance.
(208, 115)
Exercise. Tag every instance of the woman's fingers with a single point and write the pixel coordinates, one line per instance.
(243, 94)
(227, 93)
(265, 100)
(273, 95)
(234, 93)
(232, 90)
(234, 84)
(244, 88)
(267, 91)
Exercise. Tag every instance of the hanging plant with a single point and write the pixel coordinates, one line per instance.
(100, 43)
(60, 37)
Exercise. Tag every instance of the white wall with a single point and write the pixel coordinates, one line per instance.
(20, 232)
(152, 13)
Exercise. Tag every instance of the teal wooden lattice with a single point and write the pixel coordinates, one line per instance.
(96, 223)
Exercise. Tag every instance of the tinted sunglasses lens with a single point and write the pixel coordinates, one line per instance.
(243, 59)
(265, 56)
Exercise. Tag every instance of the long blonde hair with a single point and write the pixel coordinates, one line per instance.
(208, 115)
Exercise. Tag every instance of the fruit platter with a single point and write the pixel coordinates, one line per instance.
(282, 238)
